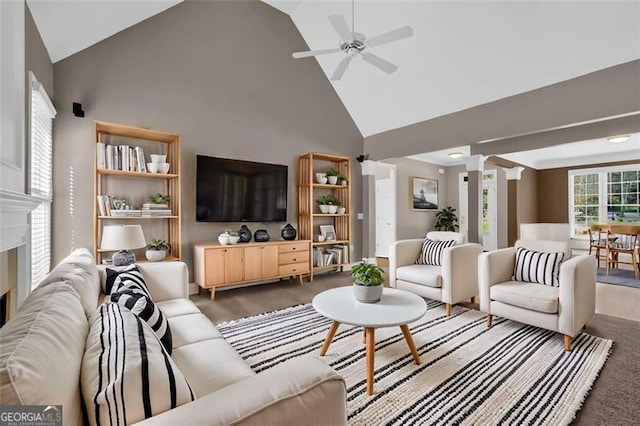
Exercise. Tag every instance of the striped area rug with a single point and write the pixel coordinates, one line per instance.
(510, 373)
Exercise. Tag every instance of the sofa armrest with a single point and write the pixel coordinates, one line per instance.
(577, 293)
(460, 272)
(165, 280)
(402, 253)
(300, 391)
(494, 267)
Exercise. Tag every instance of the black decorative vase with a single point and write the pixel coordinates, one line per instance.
(245, 234)
(261, 236)
(288, 232)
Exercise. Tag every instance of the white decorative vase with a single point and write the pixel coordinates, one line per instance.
(333, 209)
(324, 208)
(321, 177)
(343, 182)
(342, 210)
(367, 293)
(332, 180)
(155, 255)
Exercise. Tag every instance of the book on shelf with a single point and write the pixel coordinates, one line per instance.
(100, 155)
(120, 157)
(155, 213)
(125, 213)
(153, 206)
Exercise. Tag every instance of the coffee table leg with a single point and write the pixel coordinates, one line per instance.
(409, 339)
(371, 344)
(329, 338)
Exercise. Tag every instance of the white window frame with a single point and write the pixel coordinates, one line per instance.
(40, 236)
(602, 191)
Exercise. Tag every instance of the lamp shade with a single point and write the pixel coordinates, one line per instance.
(122, 237)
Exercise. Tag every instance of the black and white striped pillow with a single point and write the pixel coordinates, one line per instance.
(131, 272)
(127, 376)
(432, 250)
(537, 267)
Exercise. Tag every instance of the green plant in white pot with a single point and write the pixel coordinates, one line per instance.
(368, 282)
(157, 250)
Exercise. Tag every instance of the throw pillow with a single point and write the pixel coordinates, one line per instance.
(112, 274)
(537, 267)
(127, 376)
(432, 250)
(130, 295)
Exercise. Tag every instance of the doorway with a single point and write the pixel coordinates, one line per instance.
(385, 205)
(489, 209)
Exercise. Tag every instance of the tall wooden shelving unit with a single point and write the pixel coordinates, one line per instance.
(155, 142)
(309, 216)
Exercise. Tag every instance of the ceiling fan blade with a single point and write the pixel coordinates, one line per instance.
(342, 67)
(341, 27)
(377, 61)
(298, 55)
(397, 34)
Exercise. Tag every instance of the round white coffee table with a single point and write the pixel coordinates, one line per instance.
(395, 308)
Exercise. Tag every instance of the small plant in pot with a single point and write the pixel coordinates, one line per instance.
(368, 282)
(328, 204)
(157, 250)
(446, 220)
(159, 199)
(332, 176)
(342, 179)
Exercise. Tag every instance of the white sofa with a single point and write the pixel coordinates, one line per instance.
(42, 347)
(453, 282)
(564, 309)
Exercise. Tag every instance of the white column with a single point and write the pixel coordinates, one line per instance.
(475, 167)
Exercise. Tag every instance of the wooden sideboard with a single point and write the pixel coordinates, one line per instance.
(216, 265)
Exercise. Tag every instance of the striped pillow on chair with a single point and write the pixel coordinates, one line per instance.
(127, 376)
(537, 267)
(432, 250)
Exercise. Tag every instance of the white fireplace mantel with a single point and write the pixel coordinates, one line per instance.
(14, 210)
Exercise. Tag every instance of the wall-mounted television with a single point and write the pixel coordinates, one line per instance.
(240, 191)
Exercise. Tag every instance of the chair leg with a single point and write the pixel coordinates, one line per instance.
(447, 309)
(567, 342)
(489, 320)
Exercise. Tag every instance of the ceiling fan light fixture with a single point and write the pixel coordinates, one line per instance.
(619, 138)
(456, 154)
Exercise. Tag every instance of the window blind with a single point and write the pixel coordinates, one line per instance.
(40, 179)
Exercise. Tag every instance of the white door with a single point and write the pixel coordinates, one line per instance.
(489, 208)
(385, 215)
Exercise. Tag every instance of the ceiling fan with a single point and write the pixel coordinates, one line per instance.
(355, 44)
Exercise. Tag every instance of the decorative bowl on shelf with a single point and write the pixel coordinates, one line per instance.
(152, 167)
(223, 239)
(321, 177)
(332, 180)
(324, 208)
(158, 158)
(163, 167)
(155, 255)
(333, 209)
(233, 239)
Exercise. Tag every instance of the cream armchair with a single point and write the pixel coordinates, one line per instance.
(564, 309)
(453, 282)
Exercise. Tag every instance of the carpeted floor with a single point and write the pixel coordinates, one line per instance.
(612, 401)
(618, 277)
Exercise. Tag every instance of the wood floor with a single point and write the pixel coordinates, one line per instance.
(612, 401)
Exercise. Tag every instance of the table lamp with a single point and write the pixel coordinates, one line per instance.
(122, 238)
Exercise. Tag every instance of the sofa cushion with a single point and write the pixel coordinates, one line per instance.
(537, 267)
(41, 351)
(431, 253)
(531, 296)
(127, 375)
(176, 307)
(210, 365)
(421, 274)
(130, 295)
(192, 328)
(80, 271)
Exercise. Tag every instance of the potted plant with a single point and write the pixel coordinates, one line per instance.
(368, 282)
(332, 176)
(446, 220)
(157, 250)
(342, 179)
(328, 204)
(159, 200)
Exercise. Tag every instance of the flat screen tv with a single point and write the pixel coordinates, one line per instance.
(240, 191)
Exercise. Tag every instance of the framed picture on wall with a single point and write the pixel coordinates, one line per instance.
(424, 193)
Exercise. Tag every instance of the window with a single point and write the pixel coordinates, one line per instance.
(40, 179)
(604, 195)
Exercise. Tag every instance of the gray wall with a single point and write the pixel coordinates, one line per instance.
(36, 56)
(599, 95)
(218, 73)
(410, 223)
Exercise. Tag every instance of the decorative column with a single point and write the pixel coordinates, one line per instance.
(475, 167)
(513, 176)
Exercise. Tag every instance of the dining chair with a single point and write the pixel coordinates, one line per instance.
(598, 238)
(626, 243)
